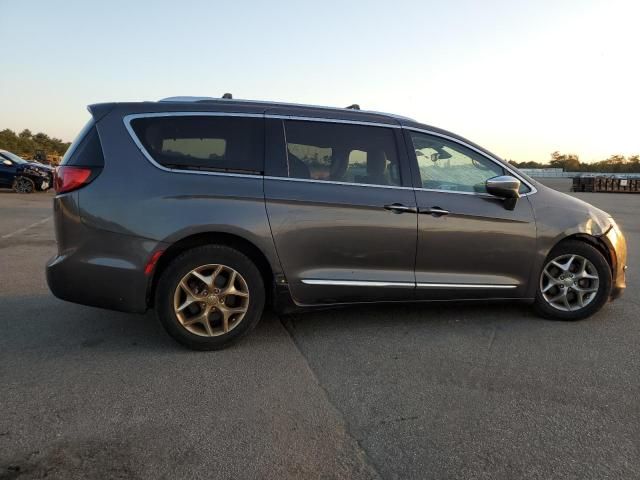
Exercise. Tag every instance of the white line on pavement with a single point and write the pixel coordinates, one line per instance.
(21, 230)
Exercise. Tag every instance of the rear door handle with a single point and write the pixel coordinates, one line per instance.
(435, 211)
(400, 208)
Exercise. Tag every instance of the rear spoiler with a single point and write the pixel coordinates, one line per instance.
(99, 110)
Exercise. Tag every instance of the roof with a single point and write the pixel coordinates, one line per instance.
(205, 104)
(270, 105)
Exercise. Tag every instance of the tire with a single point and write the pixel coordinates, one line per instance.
(593, 292)
(179, 278)
(23, 185)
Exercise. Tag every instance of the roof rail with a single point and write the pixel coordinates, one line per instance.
(355, 106)
(185, 99)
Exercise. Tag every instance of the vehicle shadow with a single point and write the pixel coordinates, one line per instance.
(43, 322)
(426, 315)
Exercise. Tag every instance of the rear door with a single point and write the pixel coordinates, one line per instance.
(469, 245)
(341, 209)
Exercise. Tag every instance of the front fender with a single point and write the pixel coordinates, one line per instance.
(558, 217)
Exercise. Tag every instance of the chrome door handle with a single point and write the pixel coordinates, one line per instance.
(399, 208)
(435, 211)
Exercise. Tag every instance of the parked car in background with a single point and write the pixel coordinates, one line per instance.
(23, 176)
(208, 209)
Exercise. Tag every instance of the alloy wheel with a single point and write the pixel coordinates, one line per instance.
(23, 185)
(211, 300)
(569, 282)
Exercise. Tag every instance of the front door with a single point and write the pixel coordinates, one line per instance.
(7, 171)
(469, 245)
(341, 209)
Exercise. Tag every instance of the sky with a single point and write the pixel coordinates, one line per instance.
(521, 78)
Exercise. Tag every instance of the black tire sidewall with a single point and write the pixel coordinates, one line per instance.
(193, 258)
(605, 282)
(31, 182)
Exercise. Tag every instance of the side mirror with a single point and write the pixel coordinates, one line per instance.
(8, 163)
(506, 187)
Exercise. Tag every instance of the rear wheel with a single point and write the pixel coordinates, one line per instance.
(23, 185)
(209, 297)
(575, 282)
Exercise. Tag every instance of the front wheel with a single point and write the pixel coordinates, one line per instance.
(209, 297)
(575, 282)
(23, 185)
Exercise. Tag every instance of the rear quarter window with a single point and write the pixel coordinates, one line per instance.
(86, 149)
(200, 142)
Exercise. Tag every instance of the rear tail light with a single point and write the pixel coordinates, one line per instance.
(67, 179)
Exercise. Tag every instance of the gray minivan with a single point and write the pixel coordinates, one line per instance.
(208, 209)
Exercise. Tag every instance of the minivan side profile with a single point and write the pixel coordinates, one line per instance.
(209, 209)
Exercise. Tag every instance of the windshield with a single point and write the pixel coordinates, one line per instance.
(13, 157)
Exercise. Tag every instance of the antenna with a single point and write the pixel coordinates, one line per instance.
(227, 96)
(355, 106)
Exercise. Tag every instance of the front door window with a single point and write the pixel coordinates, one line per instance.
(445, 165)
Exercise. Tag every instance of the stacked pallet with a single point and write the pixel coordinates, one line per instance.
(606, 184)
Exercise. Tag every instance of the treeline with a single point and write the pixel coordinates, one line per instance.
(571, 163)
(25, 144)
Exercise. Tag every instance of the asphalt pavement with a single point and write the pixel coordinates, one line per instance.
(411, 391)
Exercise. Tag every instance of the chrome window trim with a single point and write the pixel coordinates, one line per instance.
(485, 155)
(477, 194)
(127, 119)
(462, 285)
(355, 283)
(333, 182)
(333, 120)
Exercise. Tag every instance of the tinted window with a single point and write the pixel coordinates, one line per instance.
(341, 153)
(12, 157)
(86, 151)
(446, 165)
(204, 142)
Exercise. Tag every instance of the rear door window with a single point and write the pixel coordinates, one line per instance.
(202, 142)
(341, 153)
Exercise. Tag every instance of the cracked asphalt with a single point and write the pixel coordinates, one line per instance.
(411, 391)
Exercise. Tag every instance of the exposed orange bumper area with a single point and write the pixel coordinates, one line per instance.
(618, 248)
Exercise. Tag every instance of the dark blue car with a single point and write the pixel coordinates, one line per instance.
(23, 176)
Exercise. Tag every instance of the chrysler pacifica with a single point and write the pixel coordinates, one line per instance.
(209, 209)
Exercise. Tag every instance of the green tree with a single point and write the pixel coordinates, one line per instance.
(568, 162)
(26, 144)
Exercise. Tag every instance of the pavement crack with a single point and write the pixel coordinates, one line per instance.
(399, 419)
(288, 322)
(492, 340)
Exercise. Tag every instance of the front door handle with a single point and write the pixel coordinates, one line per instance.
(400, 208)
(435, 211)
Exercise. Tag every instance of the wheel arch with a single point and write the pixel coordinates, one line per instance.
(597, 242)
(214, 238)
